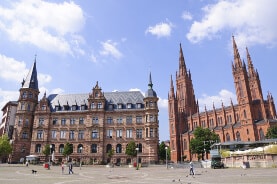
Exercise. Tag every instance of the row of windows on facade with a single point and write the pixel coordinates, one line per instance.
(95, 120)
(97, 105)
(26, 95)
(220, 120)
(64, 134)
(93, 148)
(228, 138)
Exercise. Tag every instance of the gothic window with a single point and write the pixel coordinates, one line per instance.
(261, 132)
(244, 114)
(228, 137)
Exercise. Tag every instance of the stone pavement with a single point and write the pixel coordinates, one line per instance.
(18, 174)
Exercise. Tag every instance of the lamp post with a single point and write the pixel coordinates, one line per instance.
(137, 149)
(81, 151)
(166, 157)
(49, 156)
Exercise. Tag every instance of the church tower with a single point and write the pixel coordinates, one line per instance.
(181, 105)
(27, 102)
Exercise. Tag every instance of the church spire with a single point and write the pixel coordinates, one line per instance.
(31, 80)
(237, 60)
(251, 70)
(182, 65)
(150, 84)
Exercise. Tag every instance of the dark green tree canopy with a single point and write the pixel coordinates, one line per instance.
(68, 149)
(131, 149)
(202, 141)
(272, 132)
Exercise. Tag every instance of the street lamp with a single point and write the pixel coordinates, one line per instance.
(81, 149)
(166, 157)
(137, 149)
(49, 156)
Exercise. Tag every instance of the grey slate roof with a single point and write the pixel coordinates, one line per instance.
(115, 98)
(31, 80)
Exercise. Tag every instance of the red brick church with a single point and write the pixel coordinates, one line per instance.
(246, 121)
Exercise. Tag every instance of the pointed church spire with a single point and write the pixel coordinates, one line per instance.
(251, 70)
(31, 80)
(237, 60)
(150, 92)
(182, 65)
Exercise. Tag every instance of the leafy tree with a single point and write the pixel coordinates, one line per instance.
(202, 141)
(272, 132)
(68, 150)
(5, 146)
(110, 153)
(131, 149)
(164, 152)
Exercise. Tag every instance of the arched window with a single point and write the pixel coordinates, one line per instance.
(261, 132)
(61, 148)
(80, 148)
(227, 137)
(108, 148)
(118, 148)
(238, 136)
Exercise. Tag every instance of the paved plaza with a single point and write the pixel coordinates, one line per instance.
(18, 174)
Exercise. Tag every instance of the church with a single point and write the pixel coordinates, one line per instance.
(247, 121)
(94, 124)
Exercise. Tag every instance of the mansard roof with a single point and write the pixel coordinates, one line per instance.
(133, 97)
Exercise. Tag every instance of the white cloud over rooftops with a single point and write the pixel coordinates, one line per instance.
(162, 29)
(48, 26)
(109, 48)
(252, 22)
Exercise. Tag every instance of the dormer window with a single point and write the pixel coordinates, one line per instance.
(43, 107)
(66, 107)
(138, 105)
(96, 94)
(129, 105)
(83, 107)
(119, 106)
(110, 106)
(74, 107)
(57, 107)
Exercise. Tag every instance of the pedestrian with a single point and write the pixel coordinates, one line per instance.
(191, 172)
(70, 168)
(27, 163)
(62, 165)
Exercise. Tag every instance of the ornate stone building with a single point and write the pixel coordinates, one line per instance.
(93, 123)
(246, 121)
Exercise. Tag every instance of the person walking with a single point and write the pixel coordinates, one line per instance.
(70, 168)
(62, 165)
(191, 171)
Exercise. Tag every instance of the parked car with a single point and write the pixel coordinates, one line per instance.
(217, 163)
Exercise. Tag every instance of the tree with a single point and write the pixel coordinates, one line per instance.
(5, 146)
(68, 150)
(202, 141)
(162, 151)
(110, 153)
(131, 149)
(271, 132)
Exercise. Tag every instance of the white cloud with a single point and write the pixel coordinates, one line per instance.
(253, 22)
(49, 26)
(160, 30)
(224, 97)
(6, 96)
(186, 16)
(163, 103)
(57, 91)
(13, 70)
(109, 49)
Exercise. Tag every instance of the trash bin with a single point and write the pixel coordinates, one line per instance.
(135, 164)
(46, 166)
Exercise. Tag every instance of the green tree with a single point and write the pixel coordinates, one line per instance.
(202, 141)
(163, 152)
(68, 150)
(131, 149)
(272, 132)
(5, 146)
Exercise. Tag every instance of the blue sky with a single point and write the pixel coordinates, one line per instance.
(118, 43)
